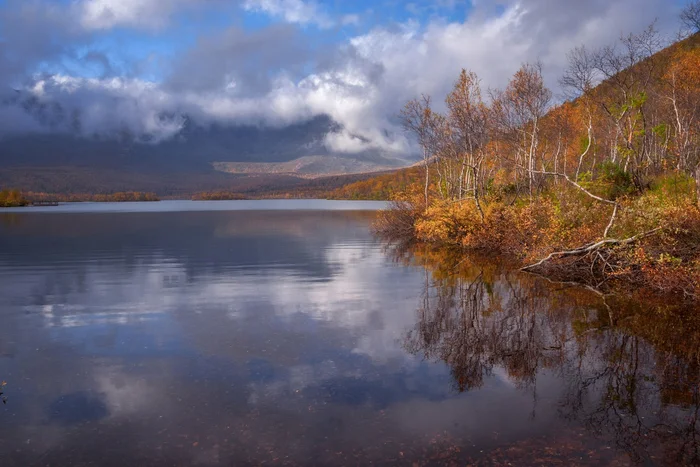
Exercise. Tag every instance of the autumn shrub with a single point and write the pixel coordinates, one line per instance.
(398, 222)
(12, 198)
(674, 188)
(448, 222)
(580, 219)
(527, 230)
(668, 259)
(563, 218)
(506, 230)
(669, 204)
(515, 229)
(524, 229)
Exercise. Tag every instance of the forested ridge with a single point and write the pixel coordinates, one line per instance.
(603, 188)
(15, 198)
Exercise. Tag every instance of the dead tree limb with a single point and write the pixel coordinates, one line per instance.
(612, 220)
(590, 248)
(615, 204)
(566, 177)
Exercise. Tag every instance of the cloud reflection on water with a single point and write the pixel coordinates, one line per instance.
(242, 337)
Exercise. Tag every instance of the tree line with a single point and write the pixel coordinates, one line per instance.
(120, 196)
(631, 109)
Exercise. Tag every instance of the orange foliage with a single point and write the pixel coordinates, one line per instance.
(122, 196)
(218, 196)
(614, 163)
(12, 198)
(381, 187)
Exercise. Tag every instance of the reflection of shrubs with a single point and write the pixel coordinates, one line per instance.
(2, 392)
(627, 368)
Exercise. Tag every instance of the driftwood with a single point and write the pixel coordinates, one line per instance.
(584, 250)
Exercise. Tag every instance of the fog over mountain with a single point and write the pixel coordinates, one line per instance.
(168, 85)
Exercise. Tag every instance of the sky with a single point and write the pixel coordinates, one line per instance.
(103, 66)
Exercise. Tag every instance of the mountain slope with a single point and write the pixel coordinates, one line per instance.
(67, 163)
(307, 166)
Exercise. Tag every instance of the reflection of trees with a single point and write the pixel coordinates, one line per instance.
(627, 371)
(620, 383)
(479, 320)
(456, 338)
(9, 220)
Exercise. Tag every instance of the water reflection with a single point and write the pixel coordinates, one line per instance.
(201, 338)
(220, 338)
(628, 368)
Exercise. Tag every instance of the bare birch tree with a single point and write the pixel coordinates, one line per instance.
(418, 117)
(518, 111)
(468, 118)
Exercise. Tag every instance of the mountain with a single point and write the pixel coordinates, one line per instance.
(197, 158)
(308, 166)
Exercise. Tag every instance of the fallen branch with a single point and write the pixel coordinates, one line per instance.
(590, 248)
(566, 177)
(612, 221)
(598, 198)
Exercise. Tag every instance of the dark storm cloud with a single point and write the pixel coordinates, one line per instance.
(239, 61)
(31, 33)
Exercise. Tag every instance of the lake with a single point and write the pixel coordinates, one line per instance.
(284, 333)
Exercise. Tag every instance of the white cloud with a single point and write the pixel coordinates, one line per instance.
(114, 104)
(292, 11)
(141, 14)
(383, 68)
(271, 77)
(106, 14)
(351, 19)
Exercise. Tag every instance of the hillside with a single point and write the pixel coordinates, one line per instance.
(603, 189)
(307, 167)
(679, 57)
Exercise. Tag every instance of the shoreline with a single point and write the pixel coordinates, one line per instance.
(654, 244)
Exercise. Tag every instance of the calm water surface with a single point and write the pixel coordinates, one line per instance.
(187, 206)
(285, 334)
